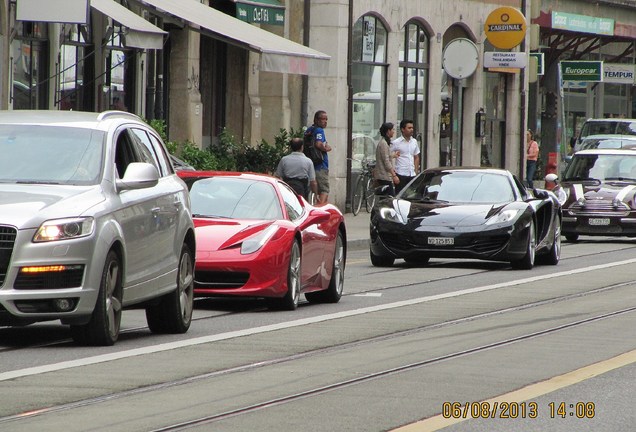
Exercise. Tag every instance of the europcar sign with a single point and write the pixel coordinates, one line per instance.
(581, 70)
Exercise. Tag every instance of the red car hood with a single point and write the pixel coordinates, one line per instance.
(217, 234)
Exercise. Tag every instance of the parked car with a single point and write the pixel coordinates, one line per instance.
(606, 126)
(93, 219)
(606, 142)
(257, 238)
(600, 186)
(467, 213)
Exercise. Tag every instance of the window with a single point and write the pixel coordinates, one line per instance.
(413, 76)
(292, 203)
(74, 84)
(120, 73)
(369, 81)
(29, 58)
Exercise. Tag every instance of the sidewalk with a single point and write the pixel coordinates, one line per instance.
(357, 231)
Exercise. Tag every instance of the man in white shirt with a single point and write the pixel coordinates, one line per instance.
(407, 164)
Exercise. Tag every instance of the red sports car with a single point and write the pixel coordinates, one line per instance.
(257, 238)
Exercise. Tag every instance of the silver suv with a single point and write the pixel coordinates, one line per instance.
(93, 220)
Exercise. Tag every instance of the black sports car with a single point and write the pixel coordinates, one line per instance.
(466, 212)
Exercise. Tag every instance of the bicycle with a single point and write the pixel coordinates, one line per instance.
(365, 188)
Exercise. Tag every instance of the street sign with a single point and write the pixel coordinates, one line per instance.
(505, 27)
(505, 60)
(539, 58)
(581, 70)
(618, 73)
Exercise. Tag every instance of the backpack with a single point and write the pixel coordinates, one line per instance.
(309, 148)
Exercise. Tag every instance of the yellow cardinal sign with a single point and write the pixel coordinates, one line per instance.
(505, 27)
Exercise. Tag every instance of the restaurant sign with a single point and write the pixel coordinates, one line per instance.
(263, 12)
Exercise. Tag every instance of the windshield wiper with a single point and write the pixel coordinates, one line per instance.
(37, 182)
(621, 179)
(199, 215)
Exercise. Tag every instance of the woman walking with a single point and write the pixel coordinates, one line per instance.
(384, 173)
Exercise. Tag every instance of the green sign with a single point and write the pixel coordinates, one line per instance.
(581, 70)
(540, 62)
(261, 12)
(582, 23)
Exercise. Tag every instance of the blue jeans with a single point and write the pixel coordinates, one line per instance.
(531, 169)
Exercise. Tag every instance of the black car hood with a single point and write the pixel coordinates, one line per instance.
(602, 192)
(456, 215)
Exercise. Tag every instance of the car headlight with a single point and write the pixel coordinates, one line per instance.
(502, 217)
(64, 229)
(390, 215)
(257, 241)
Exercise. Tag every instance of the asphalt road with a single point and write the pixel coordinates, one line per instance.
(407, 347)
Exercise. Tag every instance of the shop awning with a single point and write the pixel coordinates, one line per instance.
(277, 54)
(139, 32)
(260, 11)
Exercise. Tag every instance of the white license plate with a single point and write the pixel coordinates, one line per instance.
(441, 241)
(599, 221)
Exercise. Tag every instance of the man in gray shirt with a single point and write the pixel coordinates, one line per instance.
(297, 170)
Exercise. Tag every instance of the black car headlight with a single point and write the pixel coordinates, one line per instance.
(390, 215)
(503, 217)
(64, 229)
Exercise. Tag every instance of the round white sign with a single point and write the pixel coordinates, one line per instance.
(460, 58)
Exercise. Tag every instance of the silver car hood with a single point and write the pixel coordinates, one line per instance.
(27, 206)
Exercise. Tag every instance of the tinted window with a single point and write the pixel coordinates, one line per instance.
(233, 198)
(143, 147)
(460, 186)
(292, 202)
(150, 151)
(50, 154)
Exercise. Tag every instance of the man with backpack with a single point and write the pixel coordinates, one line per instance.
(297, 170)
(315, 139)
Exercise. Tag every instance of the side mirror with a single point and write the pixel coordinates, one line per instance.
(384, 190)
(138, 175)
(540, 193)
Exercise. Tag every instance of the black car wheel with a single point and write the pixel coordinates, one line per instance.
(381, 261)
(103, 327)
(334, 292)
(527, 262)
(173, 313)
(554, 255)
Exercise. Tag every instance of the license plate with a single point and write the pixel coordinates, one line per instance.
(441, 241)
(599, 221)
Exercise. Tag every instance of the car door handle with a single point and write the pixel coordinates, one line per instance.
(156, 210)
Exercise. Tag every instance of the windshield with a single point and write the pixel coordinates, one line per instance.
(460, 187)
(50, 154)
(233, 198)
(602, 127)
(601, 167)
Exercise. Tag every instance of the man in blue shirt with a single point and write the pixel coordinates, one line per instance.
(322, 169)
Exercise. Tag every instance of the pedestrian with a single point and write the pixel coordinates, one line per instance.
(407, 164)
(321, 168)
(297, 170)
(384, 172)
(532, 154)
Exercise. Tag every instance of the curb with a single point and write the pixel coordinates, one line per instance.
(360, 244)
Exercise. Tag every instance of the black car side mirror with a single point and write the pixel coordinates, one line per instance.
(384, 190)
(540, 193)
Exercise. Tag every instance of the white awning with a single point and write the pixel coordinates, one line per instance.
(277, 54)
(139, 32)
(63, 11)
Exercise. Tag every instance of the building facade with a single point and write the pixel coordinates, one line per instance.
(252, 67)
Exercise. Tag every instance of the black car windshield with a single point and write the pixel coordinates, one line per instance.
(476, 187)
(50, 155)
(601, 167)
(234, 198)
(600, 127)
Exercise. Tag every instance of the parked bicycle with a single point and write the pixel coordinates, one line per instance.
(364, 190)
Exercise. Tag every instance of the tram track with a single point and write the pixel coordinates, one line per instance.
(340, 347)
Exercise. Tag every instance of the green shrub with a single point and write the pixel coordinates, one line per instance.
(230, 155)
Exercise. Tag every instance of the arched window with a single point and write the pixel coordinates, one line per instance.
(413, 79)
(368, 78)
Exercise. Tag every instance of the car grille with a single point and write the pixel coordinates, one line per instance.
(220, 279)
(7, 240)
(483, 245)
(70, 278)
(598, 208)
